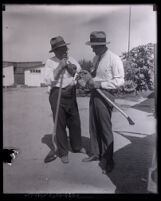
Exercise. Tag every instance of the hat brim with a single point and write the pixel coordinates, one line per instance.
(65, 44)
(96, 43)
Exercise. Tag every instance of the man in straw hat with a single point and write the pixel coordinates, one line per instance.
(108, 75)
(68, 114)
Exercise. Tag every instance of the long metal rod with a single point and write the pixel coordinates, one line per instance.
(112, 103)
(129, 30)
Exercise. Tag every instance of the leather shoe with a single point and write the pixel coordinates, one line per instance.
(82, 150)
(50, 158)
(65, 159)
(109, 168)
(91, 158)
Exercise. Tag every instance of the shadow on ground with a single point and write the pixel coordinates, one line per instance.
(132, 165)
(147, 105)
(47, 139)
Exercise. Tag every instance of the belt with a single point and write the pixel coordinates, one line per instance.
(67, 92)
(64, 88)
(112, 91)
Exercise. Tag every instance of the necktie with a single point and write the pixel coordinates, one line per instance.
(93, 73)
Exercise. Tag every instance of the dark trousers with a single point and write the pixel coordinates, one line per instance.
(100, 126)
(68, 117)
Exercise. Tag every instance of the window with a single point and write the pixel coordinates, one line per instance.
(35, 71)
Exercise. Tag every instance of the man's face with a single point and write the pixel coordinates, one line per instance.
(61, 52)
(98, 49)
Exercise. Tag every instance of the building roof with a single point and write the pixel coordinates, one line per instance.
(33, 67)
(7, 65)
(22, 64)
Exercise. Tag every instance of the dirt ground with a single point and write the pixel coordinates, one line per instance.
(27, 126)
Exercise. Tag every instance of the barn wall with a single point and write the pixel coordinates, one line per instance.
(8, 76)
(34, 77)
(42, 75)
(19, 68)
(19, 78)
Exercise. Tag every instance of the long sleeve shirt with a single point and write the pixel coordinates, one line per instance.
(50, 67)
(110, 71)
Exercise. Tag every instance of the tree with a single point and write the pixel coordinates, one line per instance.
(139, 67)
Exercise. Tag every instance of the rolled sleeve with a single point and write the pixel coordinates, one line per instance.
(117, 68)
(48, 73)
(117, 75)
(113, 84)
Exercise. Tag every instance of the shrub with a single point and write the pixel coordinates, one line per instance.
(139, 67)
(85, 65)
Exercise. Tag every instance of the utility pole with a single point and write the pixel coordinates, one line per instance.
(129, 30)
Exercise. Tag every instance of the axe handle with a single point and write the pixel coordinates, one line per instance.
(112, 103)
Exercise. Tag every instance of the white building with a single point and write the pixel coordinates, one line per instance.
(8, 76)
(34, 76)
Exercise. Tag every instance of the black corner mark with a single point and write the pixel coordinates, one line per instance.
(9, 155)
(154, 7)
(3, 7)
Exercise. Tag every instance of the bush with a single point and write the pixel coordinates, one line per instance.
(139, 68)
(86, 65)
(129, 86)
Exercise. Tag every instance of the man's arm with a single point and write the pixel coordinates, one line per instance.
(52, 73)
(48, 73)
(62, 65)
(117, 77)
(117, 74)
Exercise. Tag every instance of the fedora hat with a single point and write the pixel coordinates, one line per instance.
(97, 38)
(57, 42)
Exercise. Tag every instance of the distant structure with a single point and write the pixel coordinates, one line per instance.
(8, 75)
(34, 76)
(23, 73)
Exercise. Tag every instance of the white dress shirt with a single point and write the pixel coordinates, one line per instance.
(110, 71)
(50, 67)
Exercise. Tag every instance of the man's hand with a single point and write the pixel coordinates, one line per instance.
(63, 63)
(85, 80)
(60, 68)
(71, 68)
(83, 77)
(91, 84)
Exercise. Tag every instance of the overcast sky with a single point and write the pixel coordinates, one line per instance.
(27, 29)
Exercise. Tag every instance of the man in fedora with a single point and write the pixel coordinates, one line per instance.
(68, 115)
(108, 75)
